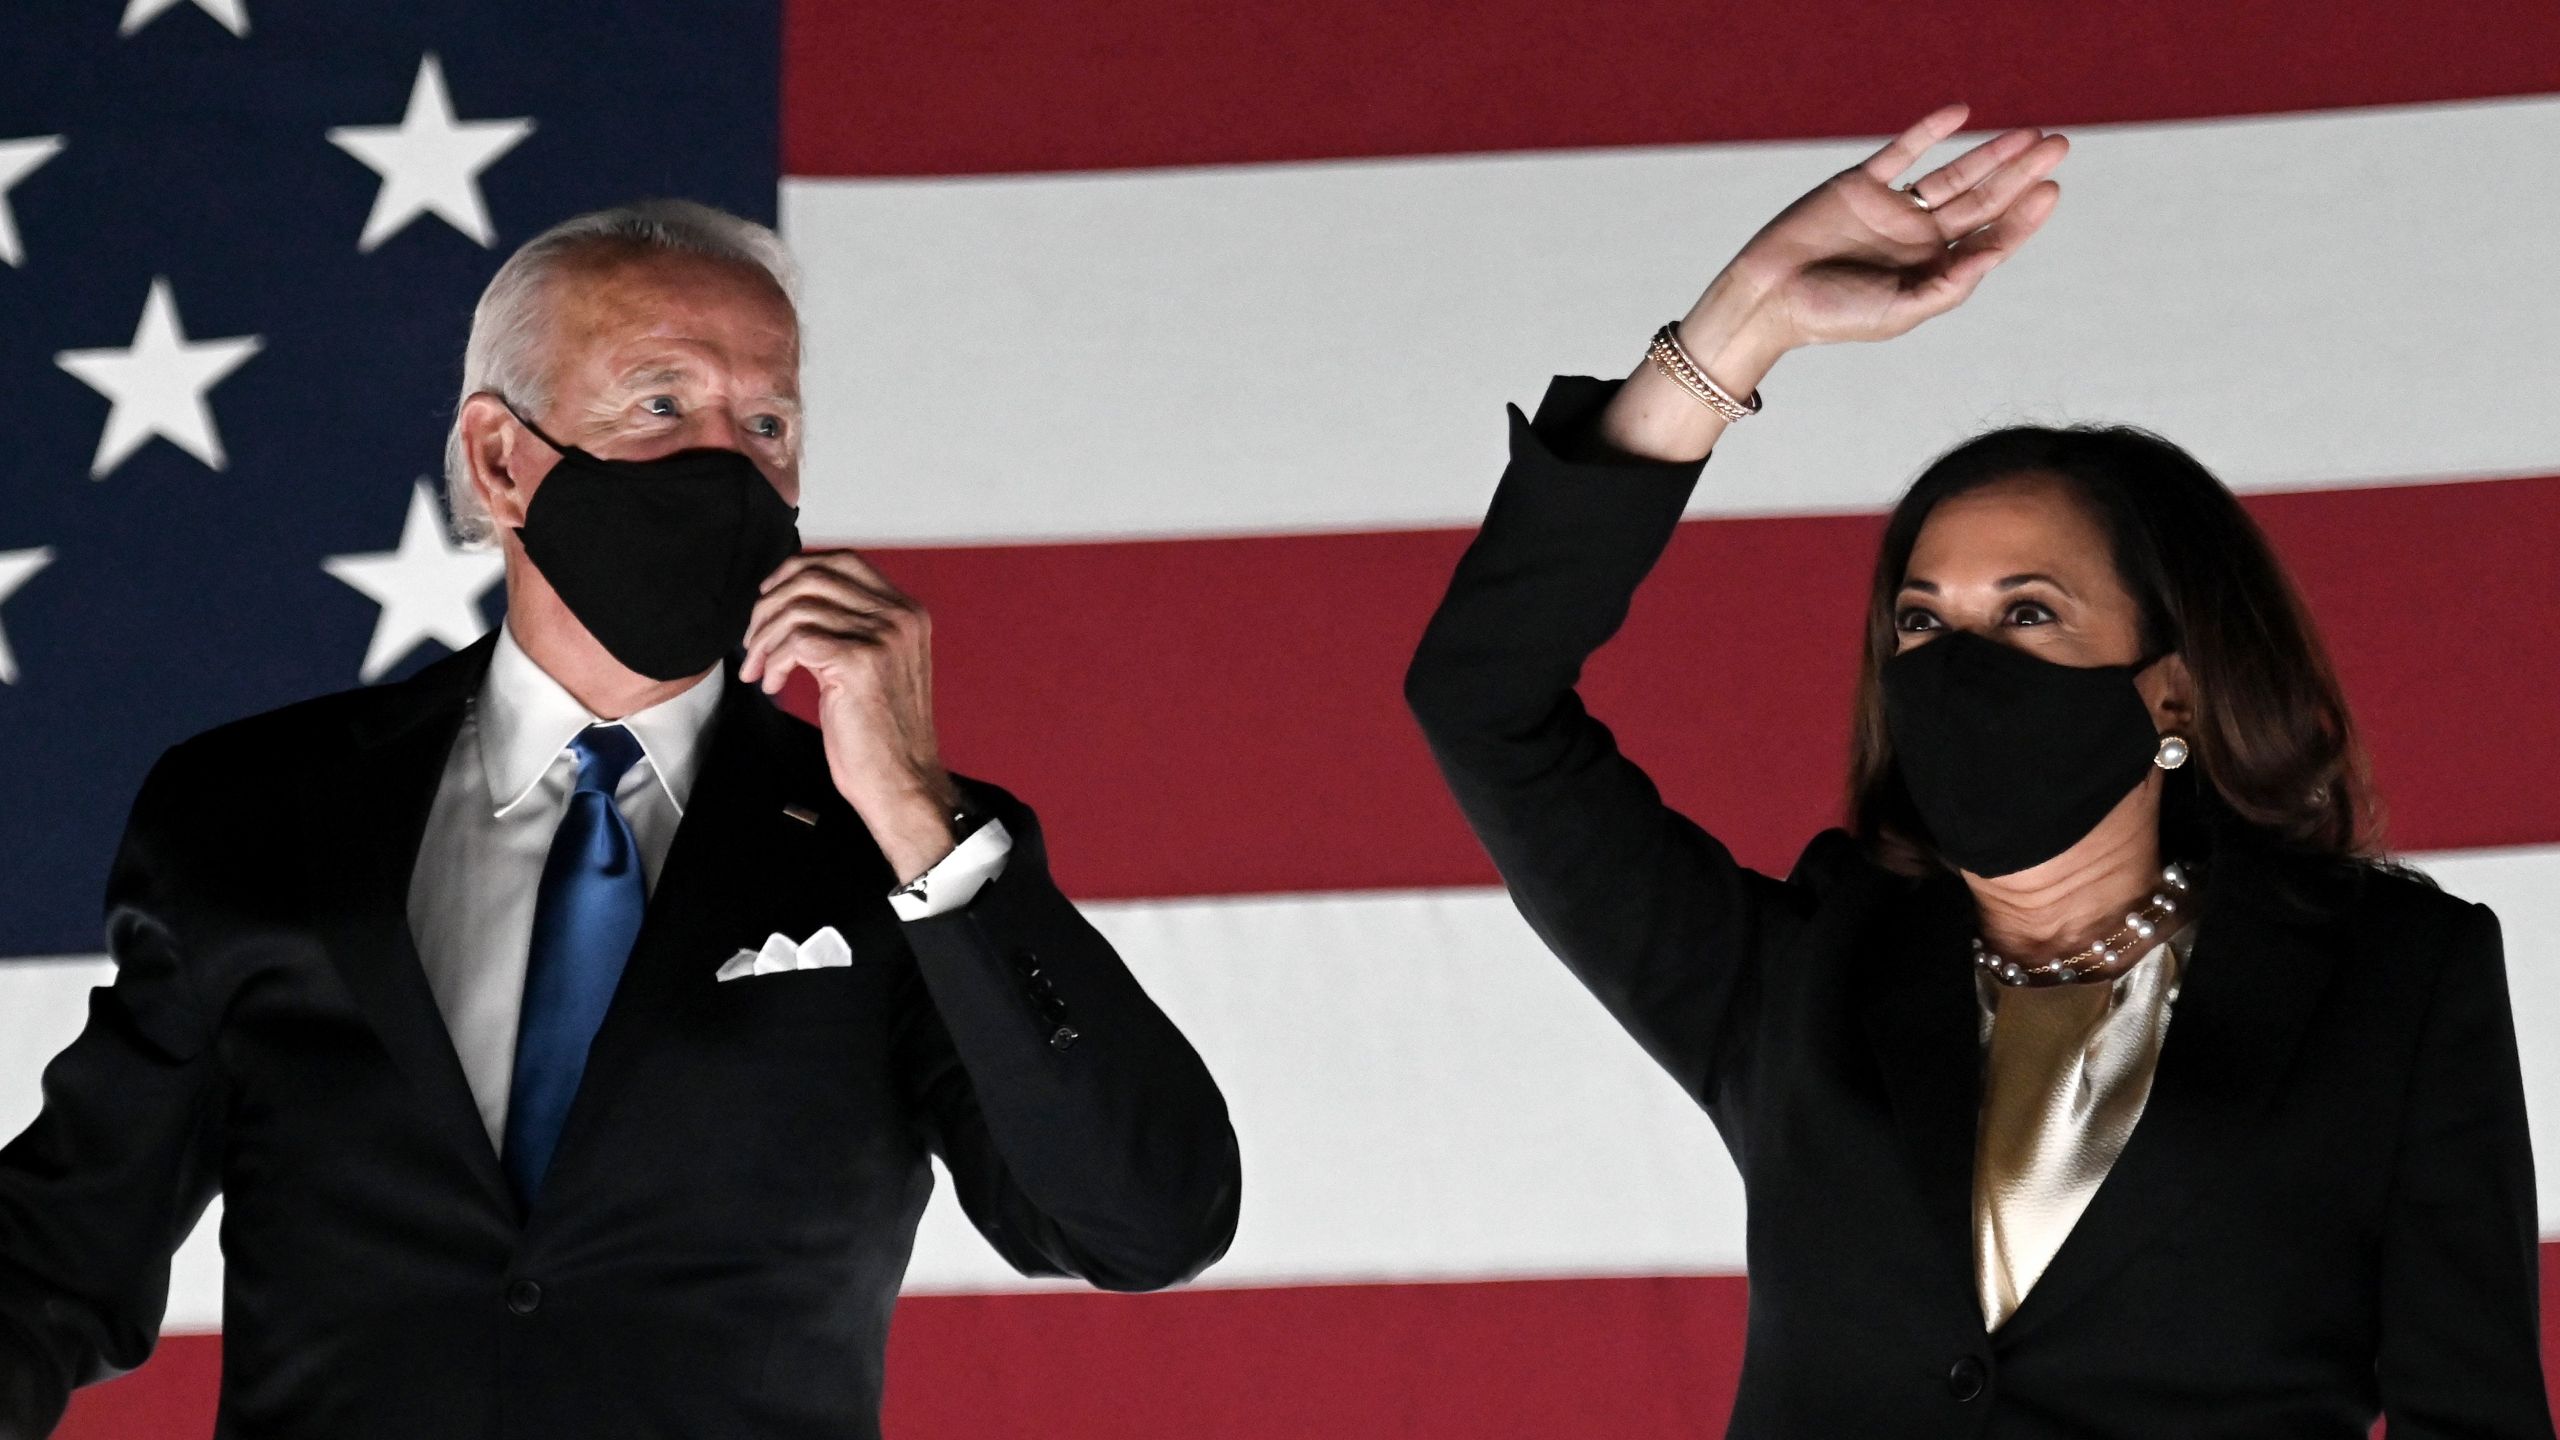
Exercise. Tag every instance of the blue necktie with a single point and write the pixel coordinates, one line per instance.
(584, 920)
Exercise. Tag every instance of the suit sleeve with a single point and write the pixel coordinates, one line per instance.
(97, 1193)
(2460, 1347)
(1651, 912)
(1083, 1134)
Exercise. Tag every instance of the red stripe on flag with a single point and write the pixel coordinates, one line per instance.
(1044, 85)
(1535, 1359)
(171, 1397)
(1225, 716)
(1532, 1359)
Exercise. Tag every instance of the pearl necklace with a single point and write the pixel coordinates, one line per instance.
(2142, 924)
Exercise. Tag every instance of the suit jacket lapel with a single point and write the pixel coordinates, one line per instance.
(363, 827)
(2253, 981)
(1919, 1014)
(733, 852)
(365, 824)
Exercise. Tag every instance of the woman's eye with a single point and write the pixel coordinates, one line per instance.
(1914, 619)
(2028, 612)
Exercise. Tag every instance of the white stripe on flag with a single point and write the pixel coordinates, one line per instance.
(2305, 300)
(1421, 1091)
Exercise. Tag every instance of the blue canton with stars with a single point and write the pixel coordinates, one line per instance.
(239, 245)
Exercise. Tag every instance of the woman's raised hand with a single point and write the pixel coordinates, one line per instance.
(1855, 259)
(1852, 259)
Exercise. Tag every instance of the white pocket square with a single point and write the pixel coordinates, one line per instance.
(781, 953)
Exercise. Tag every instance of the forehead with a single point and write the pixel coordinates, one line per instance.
(2033, 520)
(617, 312)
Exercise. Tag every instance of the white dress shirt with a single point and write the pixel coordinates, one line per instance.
(506, 786)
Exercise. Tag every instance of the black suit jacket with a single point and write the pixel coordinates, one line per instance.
(721, 1235)
(2326, 1209)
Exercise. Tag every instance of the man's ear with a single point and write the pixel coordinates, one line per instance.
(505, 464)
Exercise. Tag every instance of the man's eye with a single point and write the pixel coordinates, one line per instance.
(768, 426)
(659, 404)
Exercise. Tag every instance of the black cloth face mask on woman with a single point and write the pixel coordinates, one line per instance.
(659, 559)
(2009, 757)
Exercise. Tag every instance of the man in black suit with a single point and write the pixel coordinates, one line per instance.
(566, 1027)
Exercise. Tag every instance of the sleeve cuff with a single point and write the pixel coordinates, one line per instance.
(1566, 431)
(956, 878)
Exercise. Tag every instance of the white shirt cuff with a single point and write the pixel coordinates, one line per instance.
(955, 878)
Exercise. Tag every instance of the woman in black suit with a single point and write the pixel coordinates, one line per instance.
(2101, 773)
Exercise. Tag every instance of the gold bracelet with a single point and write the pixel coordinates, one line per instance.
(1672, 360)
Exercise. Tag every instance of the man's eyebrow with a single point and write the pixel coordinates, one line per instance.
(639, 378)
(636, 377)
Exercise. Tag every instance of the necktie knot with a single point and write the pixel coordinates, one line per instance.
(605, 754)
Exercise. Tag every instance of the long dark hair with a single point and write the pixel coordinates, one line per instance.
(2275, 755)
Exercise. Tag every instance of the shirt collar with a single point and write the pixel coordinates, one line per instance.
(527, 719)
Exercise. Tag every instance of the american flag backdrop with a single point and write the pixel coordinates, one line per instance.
(1161, 349)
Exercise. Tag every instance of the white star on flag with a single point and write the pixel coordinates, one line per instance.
(234, 14)
(429, 588)
(158, 384)
(17, 158)
(15, 567)
(429, 162)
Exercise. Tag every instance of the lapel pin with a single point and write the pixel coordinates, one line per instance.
(801, 813)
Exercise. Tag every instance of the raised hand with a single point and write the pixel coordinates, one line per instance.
(1854, 258)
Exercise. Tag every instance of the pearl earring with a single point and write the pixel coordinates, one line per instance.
(2173, 752)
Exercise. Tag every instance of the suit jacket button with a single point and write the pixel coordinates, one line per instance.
(1026, 963)
(1965, 1377)
(1062, 1037)
(524, 1297)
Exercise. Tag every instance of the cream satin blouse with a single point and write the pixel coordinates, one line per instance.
(2066, 1069)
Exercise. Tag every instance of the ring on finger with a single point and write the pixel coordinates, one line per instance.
(1911, 192)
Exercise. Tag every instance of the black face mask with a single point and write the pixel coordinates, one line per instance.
(659, 559)
(2011, 758)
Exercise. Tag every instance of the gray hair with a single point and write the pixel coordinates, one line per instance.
(509, 352)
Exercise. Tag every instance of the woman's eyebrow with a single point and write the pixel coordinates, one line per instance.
(2012, 582)
(2005, 582)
